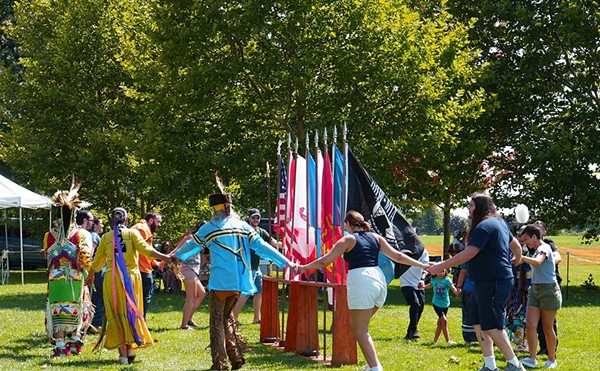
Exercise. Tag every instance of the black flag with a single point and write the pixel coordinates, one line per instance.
(366, 197)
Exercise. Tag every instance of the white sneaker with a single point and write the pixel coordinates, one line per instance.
(531, 363)
(550, 364)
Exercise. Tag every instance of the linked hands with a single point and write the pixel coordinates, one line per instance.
(435, 268)
(174, 259)
(297, 268)
(293, 267)
(89, 280)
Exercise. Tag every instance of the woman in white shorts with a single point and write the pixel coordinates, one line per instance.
(189, 273)
(366, 283)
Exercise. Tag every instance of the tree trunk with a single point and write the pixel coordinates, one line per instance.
(446, 210)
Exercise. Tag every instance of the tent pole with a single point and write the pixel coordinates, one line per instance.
(21, 237)
(6, 229)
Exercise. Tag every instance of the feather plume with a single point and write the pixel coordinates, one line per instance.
(75, 185)
(68, 198)
(219, 180)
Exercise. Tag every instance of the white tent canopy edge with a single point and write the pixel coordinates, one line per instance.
(14, 195)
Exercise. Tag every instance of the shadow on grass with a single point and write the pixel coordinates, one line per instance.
(263, 356)
(25, 302)
(29, 277)
(87, 363)
(17, 348)
(578, 296)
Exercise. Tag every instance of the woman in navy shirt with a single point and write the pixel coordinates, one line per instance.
(367, 288)
(489, 264)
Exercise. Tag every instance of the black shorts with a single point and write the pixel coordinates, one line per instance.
(440, 311)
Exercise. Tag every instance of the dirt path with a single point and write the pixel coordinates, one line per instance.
(580, 255)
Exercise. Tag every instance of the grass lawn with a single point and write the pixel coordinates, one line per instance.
(24, 345)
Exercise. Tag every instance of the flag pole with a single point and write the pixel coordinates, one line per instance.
(319, 215)
(317, 202)
(345, 172)
(332, 156)
(344, 188)
(308, 211)
(280, 299)
(278, 192)
(308, 198)
(293, 208)
(284, 237)
(269, 214)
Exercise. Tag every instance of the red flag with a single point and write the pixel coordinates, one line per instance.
(328, 235)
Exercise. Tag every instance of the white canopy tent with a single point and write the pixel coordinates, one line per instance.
(13, 195)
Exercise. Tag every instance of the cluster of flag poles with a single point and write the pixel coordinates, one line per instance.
(314, 194)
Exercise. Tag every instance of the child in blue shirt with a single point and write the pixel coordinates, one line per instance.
(441, 302)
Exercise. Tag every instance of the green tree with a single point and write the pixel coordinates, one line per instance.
(145, 100)
(431, 222)
(68, 111)
(544, 77)
(404, 83)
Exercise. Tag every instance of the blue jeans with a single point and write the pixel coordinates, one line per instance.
(147, 290)
(468, 331)
(98, 298)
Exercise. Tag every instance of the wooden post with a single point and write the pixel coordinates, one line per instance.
(307, 337)
(269, 324)
(344, 342)
(293, 316)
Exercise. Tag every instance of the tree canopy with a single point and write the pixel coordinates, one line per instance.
(145, 100)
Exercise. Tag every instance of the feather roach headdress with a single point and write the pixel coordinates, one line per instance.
(69, 198)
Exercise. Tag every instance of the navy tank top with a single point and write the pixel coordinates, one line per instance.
(365, 253)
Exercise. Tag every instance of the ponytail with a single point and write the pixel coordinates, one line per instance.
(355, 219)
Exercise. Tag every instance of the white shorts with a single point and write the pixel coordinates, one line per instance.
(367, 288)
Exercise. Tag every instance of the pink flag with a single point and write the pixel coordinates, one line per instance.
(303, 242)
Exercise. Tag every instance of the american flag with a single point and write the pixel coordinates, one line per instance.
(280, 223)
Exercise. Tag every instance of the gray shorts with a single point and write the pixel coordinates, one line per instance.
(546, 296)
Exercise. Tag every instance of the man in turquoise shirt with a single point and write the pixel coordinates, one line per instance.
(229, 240)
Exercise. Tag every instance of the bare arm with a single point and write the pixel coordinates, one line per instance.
(454, 290)
(183, 240)
(515, 246)
(397, 256)
(160, 256)
(338, 249)
(462, 257)
(537, 261)
(275, 244)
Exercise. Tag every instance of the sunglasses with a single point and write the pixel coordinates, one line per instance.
(255, 217)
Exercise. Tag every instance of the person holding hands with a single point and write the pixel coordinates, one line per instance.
(489, 243)
(367, 288)
(544, 298)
